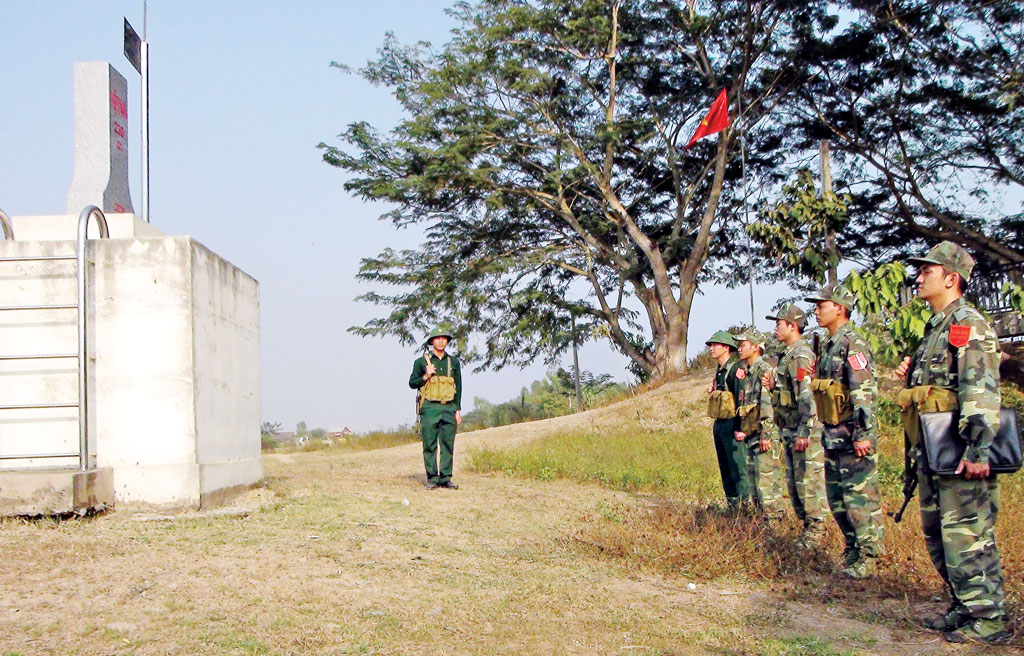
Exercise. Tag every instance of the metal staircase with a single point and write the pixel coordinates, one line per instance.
(62, 457)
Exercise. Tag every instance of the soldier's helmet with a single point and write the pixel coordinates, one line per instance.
(836, 293)
(440, 331)
(790, 312)
(949, 255)
(722, 337)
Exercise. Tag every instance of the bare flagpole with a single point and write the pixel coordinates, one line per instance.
(145, 118)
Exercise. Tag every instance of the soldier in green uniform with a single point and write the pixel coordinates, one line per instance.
(438, 377)
(846, 395)
(797, 418)
(956, 366)
(724, 394)
(757, 424)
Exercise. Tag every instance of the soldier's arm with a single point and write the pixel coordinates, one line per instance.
(764, 401)
(419, 367)
(457, 375)
(860, 365)
(806, 408)
(978, 391)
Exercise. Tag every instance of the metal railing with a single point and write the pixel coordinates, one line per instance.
(82, 354)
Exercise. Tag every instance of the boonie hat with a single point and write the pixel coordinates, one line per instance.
(722, 337)
(949, 255)
(835, 293)
(790, 312)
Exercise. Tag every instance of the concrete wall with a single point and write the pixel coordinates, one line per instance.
(174, 382)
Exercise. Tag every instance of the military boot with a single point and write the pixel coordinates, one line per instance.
(850, 556)
(954, 617)
(812, 536)
(862, 569)
(988, 631)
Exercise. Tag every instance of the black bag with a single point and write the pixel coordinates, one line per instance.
(944, 448)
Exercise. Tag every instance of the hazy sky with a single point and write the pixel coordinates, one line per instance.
(240, 95)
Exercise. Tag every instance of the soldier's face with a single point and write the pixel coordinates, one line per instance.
(932, 281)
(826, 312)
(717, 350)
(781, 329)
(747, 350)
(439, 343)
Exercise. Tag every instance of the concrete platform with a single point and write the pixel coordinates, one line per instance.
(55, 491)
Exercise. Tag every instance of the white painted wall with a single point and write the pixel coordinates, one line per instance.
(174, 386)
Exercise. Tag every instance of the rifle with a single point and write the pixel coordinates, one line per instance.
(908, 490)
(419, 392)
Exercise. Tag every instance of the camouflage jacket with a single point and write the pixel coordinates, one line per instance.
(795, 411)
(756, 393)
(960, 352)
(732, 376)
(846, 358)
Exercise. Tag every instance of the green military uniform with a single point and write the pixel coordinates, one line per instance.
(763, 468)
(437, 415)
(797, 417)
(732, 454)
(960, 353)
(847, 394)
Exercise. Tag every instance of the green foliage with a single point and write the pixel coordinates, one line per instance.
(892, 330)
(1014, 294)
(795, 231)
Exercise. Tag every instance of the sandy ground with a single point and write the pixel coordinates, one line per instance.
(348, 553)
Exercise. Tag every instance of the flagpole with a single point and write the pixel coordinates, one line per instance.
(746, 206)
(145, 118)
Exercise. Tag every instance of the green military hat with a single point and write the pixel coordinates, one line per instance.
(754, 337)
(790, 312)
(440, 331)
(722, 337)
(951, 256)
(836, 293)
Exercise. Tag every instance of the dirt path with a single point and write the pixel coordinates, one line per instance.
(347, 553)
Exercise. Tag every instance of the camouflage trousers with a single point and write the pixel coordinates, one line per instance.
(765, 472)
(851, 483)
(958, 517)
(805, 479)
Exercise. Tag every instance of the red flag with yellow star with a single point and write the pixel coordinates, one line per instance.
(716, 120)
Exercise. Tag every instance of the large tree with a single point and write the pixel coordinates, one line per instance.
(542, 153)
(922, 102)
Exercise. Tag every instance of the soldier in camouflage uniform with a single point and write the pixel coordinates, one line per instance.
(725, 392)
(846, 394)
(797, 419)
(959, 359)
(758, 426)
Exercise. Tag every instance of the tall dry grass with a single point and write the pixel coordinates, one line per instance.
(677, 522)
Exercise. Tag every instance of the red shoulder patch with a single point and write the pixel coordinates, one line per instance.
(741, 373)
(801, 373)
(858, 361)
(959, 335)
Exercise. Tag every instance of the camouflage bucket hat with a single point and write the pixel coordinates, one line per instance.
(440, 331)
(791, 313)
(722, 337)
(835, 293)
(949, 255)
(754, 337)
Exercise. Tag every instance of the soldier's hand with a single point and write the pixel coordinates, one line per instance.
(901, 370)
(431, 370)
(765, 445)
(801, 443)
(768, 380)
(458, 417)
(739, 435)
(862, 448)
(973, 470)
(711, 387)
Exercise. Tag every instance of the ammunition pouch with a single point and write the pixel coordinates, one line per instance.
(920, 400)
(832, 399)
(439, 388)
(785, 408)
(721, 405)
(750, 419)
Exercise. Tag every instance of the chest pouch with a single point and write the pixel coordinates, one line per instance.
(750, 418)
(832, 399)
(920, 400)
(721, 405)
(439, 388)
(785, 408)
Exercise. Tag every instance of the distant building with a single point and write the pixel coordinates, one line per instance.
(339, 433)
